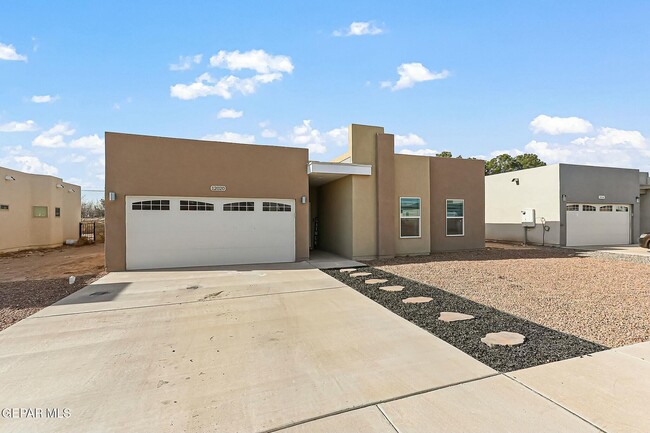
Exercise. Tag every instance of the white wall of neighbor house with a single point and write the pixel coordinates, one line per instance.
(19, 193)
(507, 194)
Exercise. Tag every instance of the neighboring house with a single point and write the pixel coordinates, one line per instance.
(37, 211)
(574, 205)
(180, 203)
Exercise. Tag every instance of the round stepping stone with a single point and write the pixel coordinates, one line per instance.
(417, 300)
(449, 316)
(375, 281)
(360, 274)
(503, 338)
(392, 288)
(348, 270)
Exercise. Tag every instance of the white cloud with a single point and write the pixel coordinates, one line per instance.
(305, 135)
(257, 60)
(511, 152)
(93, 143)
(54, 137)
(544, 124)
(73, 158)
(44, 99)
(225, 87)
(229, 113)
(422, 152)
(411, 73)
(339, 136)
(8, 52)
(31, 164)
(186, 62)
(231, 137)
(607, 147)
(26, 126)
(409, 140)
(269, 133)
(360, 28)
(265, 124)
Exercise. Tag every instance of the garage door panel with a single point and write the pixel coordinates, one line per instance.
(179, 238)
(597, 227)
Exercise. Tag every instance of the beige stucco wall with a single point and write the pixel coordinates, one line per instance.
(157, 166)
(412, 180)
(455, 178)
(539, 188)
(335, 217)
(19, 229)
(363, 141)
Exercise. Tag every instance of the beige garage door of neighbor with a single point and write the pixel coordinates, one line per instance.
(597, 224)
(170, 232)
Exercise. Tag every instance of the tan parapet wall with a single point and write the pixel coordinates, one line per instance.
(158, 166)
(455, 178)
(19, 229)
(412, 180)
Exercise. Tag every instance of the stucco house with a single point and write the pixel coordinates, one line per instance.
(180, 203)
(37, 211)
(567, 205)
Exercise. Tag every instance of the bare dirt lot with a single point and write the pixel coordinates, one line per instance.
(32, 280)
(598, 298)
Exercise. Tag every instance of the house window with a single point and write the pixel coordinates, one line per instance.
(455, 217)
(242, 206)
(269, 206)
(39, 211)
(621, 208)
(409, 217)
(607, 208)
(196, 205)
(57, 212)
(588, 208)
(4, 207)
(573, 207)
(151, 205)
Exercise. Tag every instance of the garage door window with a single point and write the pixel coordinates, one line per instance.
(269, 206)
(196, 205)
(455, 217)
(621, 208)
(588, 208)
(573, 207)
(607, 208)
(151, 205)
(242, 206)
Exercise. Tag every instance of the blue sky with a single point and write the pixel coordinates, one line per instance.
(567, 80)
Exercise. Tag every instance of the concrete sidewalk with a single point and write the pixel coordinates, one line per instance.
(282, 348)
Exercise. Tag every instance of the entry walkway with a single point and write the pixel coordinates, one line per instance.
(324, 260)
(284, 348)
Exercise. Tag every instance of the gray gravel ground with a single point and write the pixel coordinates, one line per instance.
(542, 345)
(600, 297)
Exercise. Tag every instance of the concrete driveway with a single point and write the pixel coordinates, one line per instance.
(251, 349)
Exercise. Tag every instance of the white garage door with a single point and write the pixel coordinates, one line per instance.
(597, 224)
(166, 232)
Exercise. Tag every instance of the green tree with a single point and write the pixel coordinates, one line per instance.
(505, 163)
(444, 154)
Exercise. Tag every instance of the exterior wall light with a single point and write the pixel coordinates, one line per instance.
(112, 196)
(60, 186)
(10, 178)
(638, 200)
(516, 180)
(303, 199)
(563, 197)
(72, 190)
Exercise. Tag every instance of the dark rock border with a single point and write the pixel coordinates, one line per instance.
(542, 345)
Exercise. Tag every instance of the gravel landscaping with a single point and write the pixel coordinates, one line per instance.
(33, 280)
(600, 297)
(542, 344)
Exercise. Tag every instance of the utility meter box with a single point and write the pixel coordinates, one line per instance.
(528, 217)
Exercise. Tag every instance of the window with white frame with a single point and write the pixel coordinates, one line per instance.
(409, 217)
(455, 217)
(39, 211)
